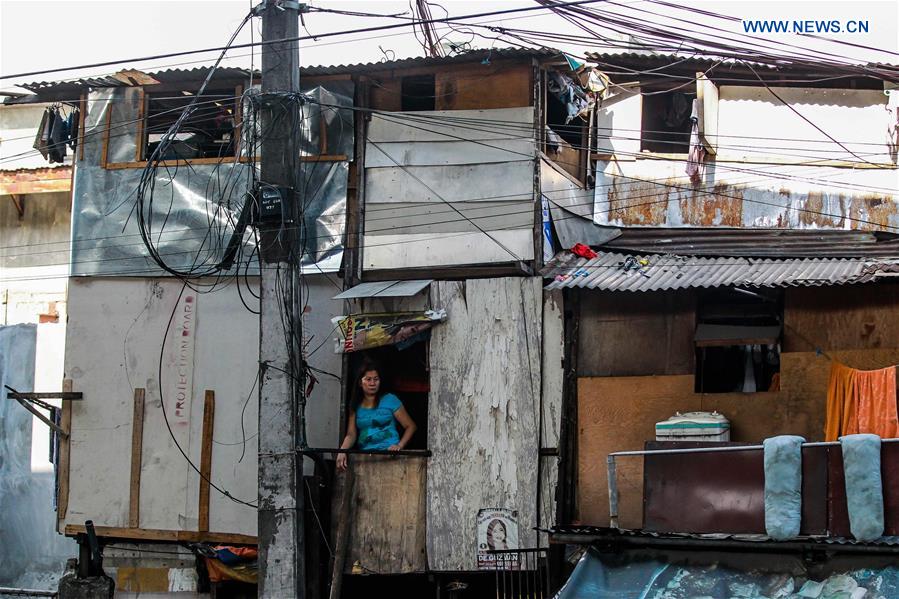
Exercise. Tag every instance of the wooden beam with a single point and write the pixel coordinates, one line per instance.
(31, 181)
(150, 534)
(48, 395)
(137, 445)
(62, 499)
(206, 459)
(19, 203)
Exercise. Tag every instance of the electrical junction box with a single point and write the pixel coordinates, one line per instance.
(273, 203)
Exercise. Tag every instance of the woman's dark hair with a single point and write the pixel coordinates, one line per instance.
(366, 366)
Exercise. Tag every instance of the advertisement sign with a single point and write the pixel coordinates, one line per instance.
(497, 530)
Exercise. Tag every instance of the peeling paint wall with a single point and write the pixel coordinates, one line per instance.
(773, 169)
(484, 412)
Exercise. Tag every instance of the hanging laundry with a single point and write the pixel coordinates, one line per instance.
(73, 122)
(43, 134)
(841, 407)
(696, 156)
(59, 137)
(876, 391)
(861, 401)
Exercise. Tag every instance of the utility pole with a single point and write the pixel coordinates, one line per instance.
(281, 393)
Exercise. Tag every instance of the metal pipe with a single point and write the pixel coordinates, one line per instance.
(26, 592)
(613, 490)
(728, 448)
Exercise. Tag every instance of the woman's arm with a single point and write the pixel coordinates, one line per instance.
(409, 428)
(348, 441)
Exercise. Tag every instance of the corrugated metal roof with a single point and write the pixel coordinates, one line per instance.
(622, 272)
(762, 243)
(196, 74)
(384, 289)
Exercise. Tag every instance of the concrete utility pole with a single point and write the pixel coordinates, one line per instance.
(281, 400)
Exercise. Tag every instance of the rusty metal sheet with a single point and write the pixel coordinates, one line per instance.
(723, 492)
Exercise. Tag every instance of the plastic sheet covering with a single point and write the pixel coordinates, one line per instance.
(599, 576)
(32, 554)
(123, 125)
(189, 229)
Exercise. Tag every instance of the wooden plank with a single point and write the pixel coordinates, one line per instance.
(483, 86)
(507, 181)
(46, 395)
(387, 515)
(142, 111)
(447, 249)
(137, 444)
(448, 152)
(841, 318)
(104, 152)
(431, 218)
(447, 125)
(484, 410)
(344, 495)
(627, 336)
(149, 534)
(206, 459)
(65, 421)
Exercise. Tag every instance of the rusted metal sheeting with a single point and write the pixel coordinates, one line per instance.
(620, 272)
(723, 492)
(757, 243)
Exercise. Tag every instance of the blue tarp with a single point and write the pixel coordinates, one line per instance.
(603, 576)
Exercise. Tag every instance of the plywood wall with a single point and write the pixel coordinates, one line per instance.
(853, 325)
(627, 334)
(497, 85)
(844, 317)
(483, 415)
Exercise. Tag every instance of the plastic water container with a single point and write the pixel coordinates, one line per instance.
(694, 426)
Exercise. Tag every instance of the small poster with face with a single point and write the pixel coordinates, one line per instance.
(497, 534)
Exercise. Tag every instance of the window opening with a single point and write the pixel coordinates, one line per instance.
(209, 132)
(418, 93)
(665, 122)
(406, 375)
(738, 338)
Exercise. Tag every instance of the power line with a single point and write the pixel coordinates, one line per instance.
(287, 39)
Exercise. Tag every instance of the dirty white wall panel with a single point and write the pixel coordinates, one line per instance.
(507, 181)
(551, 381)
(446, 249)
(437, 153)
(858, 119)
(618, 124)
(408, 218)
(114, 340)
(443, 125)
(483, 415)
(731, 194)
(559, 187)
(113, 345)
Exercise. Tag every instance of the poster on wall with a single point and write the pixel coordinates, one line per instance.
(365, 331)
(497, 531)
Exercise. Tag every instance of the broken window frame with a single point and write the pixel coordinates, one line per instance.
(580, 171)
(140, 141)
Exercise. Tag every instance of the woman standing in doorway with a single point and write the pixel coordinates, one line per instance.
(374, 416)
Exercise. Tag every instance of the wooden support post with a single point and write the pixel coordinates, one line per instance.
(137, 445)
(344, 526)
(206, 459)
(65, 422)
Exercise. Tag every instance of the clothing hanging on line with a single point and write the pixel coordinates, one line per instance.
(861, 401)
